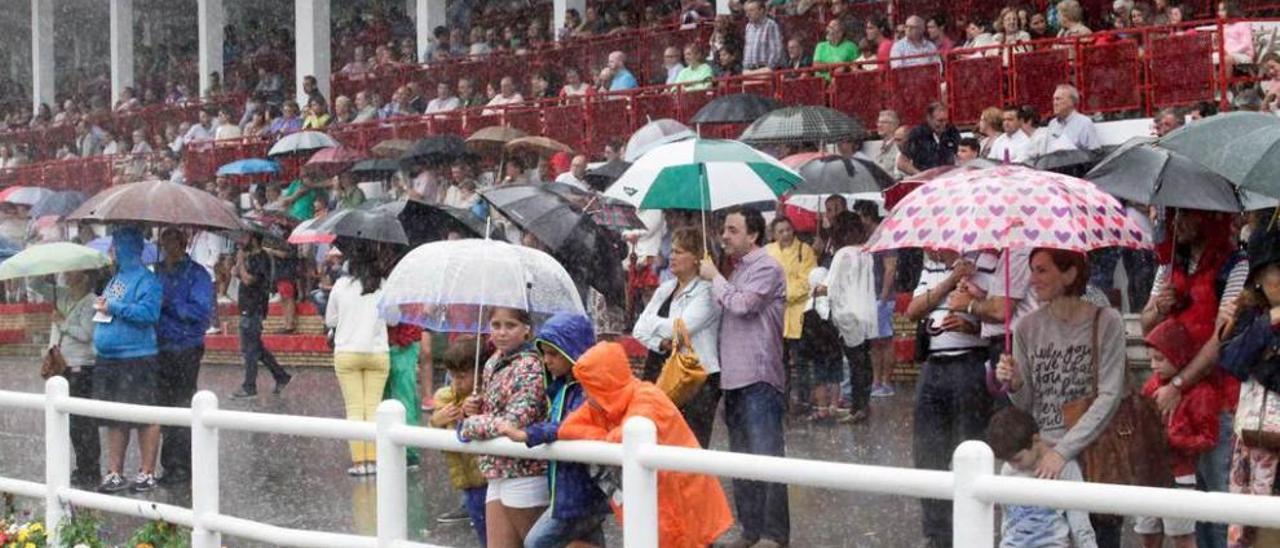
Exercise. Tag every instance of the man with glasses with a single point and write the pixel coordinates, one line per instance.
(671, 63)
(913, 49)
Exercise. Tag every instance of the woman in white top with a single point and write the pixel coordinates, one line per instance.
(360, 350)
(573, 84)
(851, 287)
(1010, 33)
(687, 297)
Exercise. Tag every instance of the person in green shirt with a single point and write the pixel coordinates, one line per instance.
(349, 193)
(835, 50)
(300, 197)
(696, 74)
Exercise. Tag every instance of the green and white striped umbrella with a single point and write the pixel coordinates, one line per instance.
(703, 174)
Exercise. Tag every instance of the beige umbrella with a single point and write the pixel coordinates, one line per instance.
(542, 146)
(392, 148)
(492, 139)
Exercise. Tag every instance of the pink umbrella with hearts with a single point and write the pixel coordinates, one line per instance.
(1007, 207)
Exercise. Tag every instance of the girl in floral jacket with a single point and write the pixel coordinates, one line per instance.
(513, 393)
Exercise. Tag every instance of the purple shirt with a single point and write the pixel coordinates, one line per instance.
(751, 326)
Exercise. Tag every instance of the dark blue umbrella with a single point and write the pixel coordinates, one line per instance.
(58, 203)
(251, 166)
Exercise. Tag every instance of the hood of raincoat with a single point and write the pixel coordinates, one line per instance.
(570, 334)
(1170, 338)
(604, 372)
(128, 244)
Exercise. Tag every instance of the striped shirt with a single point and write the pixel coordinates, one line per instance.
(763, 46)
(1235, 282)
(948, 342)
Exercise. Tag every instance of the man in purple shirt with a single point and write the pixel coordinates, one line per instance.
(751, 373)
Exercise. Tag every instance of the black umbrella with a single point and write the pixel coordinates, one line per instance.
(373, 223)
(424, 223)
(739, 108)
(1071, 161)
(803, 124)
(590, 252)
(839, 175)
(600, 177)
(376, 167)
(1141, 172)
(437, 149)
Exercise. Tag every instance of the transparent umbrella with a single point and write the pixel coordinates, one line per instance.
(450, 285)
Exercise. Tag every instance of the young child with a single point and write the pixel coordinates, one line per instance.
(692, 509)
(578, 506)
(513, 393)
(459, 360)
(1191, 431)
(1015, 439)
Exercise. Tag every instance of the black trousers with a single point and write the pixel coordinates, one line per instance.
(700, 411)
(178, 373)
(84, 430)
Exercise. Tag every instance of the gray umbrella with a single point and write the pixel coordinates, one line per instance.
(1144, 173)
(377, 223)
(1071, 161)
(654, 134)
(1243, 147)
(839, 175)
(739, 108)
(803, 124)
(58, 203)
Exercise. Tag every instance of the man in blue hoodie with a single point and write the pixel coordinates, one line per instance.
(184, 317)
(126, 369)
(578, 506)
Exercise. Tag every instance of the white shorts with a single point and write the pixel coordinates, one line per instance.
(1170, 527)
(519, 492)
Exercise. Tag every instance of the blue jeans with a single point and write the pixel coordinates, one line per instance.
(753, 415)
(473, 500)
(549, 532)
(1212, 473)
(254, 352)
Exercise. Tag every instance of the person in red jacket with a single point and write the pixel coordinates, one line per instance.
(1192, 428)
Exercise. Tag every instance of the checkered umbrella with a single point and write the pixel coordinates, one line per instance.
(803, 124)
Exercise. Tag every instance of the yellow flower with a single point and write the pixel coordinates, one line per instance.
(144, 545)
(22, 534)
(37, 527)
(29, 545)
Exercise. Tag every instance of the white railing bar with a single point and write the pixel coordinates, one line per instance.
(22, 400)
(22, 488)
(1129, 500)
(911, 482)
(411, 544)
(131, 507)
(590, 452)
(126, 412)
(283, 536)
(289, 425)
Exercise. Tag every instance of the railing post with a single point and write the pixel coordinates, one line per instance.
(393, 493)
(57, 454)
(639, 486)
(204, 471)
(972, 520)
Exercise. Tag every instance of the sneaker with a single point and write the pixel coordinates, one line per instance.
(244, 394)
(456, 516)
(879, 391)
(888, 390)
(113, 483)
(855, 417)
(212, 331)
(370, 469)
(280, 384)
(356, 470)
(143, 482)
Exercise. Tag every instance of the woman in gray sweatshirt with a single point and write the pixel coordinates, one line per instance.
(1053, 363)
(74, 336)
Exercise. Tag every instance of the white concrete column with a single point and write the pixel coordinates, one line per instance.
(311, 28)
(121, 47)
(428, 14)
(722, 7)
(561, 7)
(210, 16)
(41, 54)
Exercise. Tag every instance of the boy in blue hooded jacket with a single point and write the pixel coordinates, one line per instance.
(126, 369)
(578, 506)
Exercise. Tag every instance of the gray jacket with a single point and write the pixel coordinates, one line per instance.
(77, 333)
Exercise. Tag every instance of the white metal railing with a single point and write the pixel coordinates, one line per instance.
(972, 484)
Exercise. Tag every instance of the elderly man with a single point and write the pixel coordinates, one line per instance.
(1012, 144)
(507, 95)
(763, 48)
(204, 130)
(671, 63)
(887, 153)
(1167, 120)
(577, 174)
(366, 111)
(930, 144)
(444, 101)
(1068, 123)
(915, 47)
(467, 96)
(622, 78)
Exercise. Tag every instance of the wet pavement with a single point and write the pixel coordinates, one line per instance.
(302, 482)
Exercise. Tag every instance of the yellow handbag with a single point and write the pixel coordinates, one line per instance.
(683, 373)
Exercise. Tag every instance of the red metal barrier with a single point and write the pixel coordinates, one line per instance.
(608, 119)
(801, 88)
(650, 106)
(1110, 77)
(1180, 69)
(526, 119)
(973, 84)
(475, 120)
(446, 125)
(1037, 73)
(691, 101)
(913, 89)
(859, 94)
(567, 123)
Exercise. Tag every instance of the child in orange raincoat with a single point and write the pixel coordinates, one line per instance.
(692, 509)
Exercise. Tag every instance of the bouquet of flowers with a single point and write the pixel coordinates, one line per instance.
(22, 533)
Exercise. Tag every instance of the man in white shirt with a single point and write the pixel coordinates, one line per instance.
(1075, 127)
(577, 174)
(444, 101)
(671, 58)
(1010, 146)
(202, 131)
(915, 48)
(507, 95)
